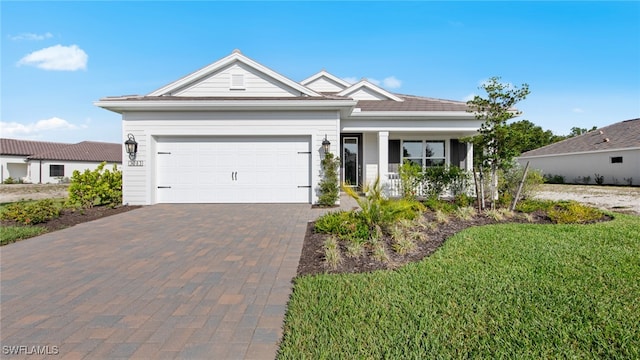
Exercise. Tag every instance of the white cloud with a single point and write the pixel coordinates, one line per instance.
(469, 97)
(577, 110)
(391, 82)
(30, 36)
(14, 129)
(350, 79)
(374, 81)
(58, 57)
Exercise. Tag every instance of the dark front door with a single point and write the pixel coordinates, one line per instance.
(351, 158)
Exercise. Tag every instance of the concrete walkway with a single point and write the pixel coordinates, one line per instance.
(201, 281)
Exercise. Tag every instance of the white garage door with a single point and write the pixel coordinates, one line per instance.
(233, 170)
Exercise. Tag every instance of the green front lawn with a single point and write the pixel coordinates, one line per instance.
(498, 291)
(10, 234)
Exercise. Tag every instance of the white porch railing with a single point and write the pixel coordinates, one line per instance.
(393, 187)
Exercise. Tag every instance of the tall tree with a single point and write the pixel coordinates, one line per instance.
(525, 135)
(495, 110)
(577, 131)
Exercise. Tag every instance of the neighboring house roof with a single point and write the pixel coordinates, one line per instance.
(91, 151)
(28, 147)
(621, 135)
(84, 151)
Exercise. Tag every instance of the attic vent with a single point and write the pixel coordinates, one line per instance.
(237, 82)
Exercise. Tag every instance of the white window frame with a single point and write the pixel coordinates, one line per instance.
(423, 158)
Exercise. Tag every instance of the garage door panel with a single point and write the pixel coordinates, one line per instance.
(233, 170)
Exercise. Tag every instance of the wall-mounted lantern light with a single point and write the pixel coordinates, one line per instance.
(131, 146)
(326, 144)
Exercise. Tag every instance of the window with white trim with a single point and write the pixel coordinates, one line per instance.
(425, 153)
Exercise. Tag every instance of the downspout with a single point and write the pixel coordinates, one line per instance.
(40, 182)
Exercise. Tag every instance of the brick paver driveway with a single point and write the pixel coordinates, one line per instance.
(164, 281)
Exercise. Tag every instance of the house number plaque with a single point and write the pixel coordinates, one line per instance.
(136, 162)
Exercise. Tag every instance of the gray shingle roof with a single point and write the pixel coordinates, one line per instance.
(28, 147)
(412, 103)
(621, 135)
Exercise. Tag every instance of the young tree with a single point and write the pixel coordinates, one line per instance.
(329, 185)
(496, 109)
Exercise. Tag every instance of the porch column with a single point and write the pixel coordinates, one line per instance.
(383, 156)
(469, 163)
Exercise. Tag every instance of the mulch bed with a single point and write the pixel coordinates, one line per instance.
(70, 218)
(312, 257)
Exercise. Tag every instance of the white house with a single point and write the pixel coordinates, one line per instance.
(237, 131)
(612, 152)
(49, 162)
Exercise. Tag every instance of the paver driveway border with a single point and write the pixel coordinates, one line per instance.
(196, 281)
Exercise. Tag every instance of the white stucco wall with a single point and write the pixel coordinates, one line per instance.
(14, 167)
(139, 187)
(38, 166)
(578, 165)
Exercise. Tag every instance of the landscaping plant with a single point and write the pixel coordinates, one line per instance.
(31, 212)
(97, 187)
(493, 141)
(329, 185)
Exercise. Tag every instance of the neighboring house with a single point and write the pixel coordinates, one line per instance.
(49, 162)
(612, 152)
(237, 131)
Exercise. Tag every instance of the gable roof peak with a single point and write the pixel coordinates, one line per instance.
(364, 83)
(324, 73)
(235, 56)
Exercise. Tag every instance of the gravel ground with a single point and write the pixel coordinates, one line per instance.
(615, 198)
(17, 192)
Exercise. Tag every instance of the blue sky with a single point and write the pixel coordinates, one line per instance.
(580, 59)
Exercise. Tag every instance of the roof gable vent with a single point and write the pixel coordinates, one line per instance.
(237, 82)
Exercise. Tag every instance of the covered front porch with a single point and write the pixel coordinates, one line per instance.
(368, 155)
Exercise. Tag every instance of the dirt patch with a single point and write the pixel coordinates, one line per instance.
(17, 192)
(613, 198)
(312, 257)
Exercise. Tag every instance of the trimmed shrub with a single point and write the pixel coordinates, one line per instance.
(553, 179)
(30, 213)
(97, 187)
(410, 177)
(346, 225)
(510, 180)
(435, 204)
(572, 212)
(531, 205)
(329, 186)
